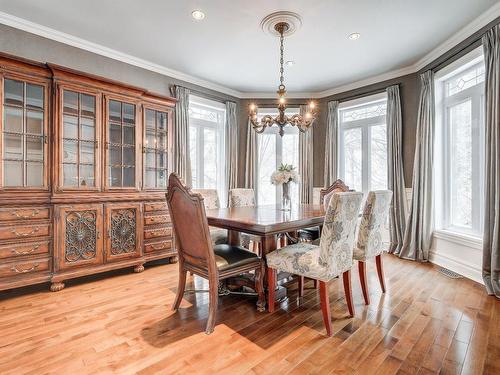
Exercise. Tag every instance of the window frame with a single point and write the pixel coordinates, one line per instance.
(220, 138)
(365, 125)
(443, 188)
(279, 147)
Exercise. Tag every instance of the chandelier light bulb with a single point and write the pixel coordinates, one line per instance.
(308, 115)
(282, 100)
(312, 105)
(252, 107)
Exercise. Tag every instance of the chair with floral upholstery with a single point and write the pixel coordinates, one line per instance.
(332, 258)
(369, 242)
(245, 198)
(211, 202)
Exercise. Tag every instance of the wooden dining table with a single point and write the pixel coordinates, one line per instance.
(266, 222)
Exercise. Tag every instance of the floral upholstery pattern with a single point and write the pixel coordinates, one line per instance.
(210, 198)
(369, 243)
(241, 197)
(334, 255)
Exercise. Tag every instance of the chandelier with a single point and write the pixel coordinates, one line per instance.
(302, 122)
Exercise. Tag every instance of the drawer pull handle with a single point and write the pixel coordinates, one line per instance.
(33, 231)
(160, 247)
(33, 214)
(31, 269)
(14, 251)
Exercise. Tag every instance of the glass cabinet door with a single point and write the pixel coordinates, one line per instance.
(155, 149)
(79, 142)
(121, 144)
(23, 134)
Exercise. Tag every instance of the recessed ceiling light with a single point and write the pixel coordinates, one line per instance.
(290, 63)
(198, 15)
(354, 36)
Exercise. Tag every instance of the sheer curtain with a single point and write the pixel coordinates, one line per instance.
(418, 232)
(306, 162)
(182, 162)
(395, 176)
(331, 142)
(231, 154)
(491, 236)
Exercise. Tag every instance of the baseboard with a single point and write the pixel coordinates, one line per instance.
(456, 265)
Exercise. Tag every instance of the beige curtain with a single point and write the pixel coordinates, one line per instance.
(331, 143)
(418, 232)
(231, 154)
(182, 162)
(251, 157)
(491, 236)
(306, 162)
(395, 176)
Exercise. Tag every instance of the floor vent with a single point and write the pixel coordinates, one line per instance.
(450, 274)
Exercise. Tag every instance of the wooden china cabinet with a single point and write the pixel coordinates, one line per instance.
(83, 173)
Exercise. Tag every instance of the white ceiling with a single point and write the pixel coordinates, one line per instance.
(229, 48)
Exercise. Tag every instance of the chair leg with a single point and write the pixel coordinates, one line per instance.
(380, 271)
(301, 286)
(362, 279)
(271, 286)
(180, 288)
(325, 306)
(259, 287)
(348, 292)
(213, 291)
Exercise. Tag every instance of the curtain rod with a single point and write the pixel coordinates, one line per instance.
(363, 94)
(208, 95)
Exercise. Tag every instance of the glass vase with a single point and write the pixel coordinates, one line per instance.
(286, 203)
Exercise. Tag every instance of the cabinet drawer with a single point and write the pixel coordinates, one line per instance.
(158, 246)
(159, 219)
(16, 250)
(15, 232)
(155, 206)
(24, 267)
(158, 232)
(24, 213)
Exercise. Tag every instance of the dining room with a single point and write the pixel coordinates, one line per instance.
(203, 187)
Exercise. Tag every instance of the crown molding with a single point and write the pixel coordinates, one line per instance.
(19, 23)
(58, 36)
(485, 18)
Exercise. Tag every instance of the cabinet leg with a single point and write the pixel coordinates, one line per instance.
(139, 268)
(56, 287)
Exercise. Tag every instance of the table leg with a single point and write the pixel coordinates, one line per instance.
(269, 244)
(233, 238)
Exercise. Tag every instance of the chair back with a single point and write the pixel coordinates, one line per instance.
(210, 198)
(374, 216)
(337, 237)
(189, 220)
(241, 198)
(326, 194)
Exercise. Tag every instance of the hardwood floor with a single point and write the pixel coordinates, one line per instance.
(425, 323)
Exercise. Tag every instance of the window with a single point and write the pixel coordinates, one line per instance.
(207, 144)
(363, 143)
(272, 150)
(23, 134)
(460, 145)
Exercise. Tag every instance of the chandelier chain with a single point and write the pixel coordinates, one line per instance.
(282, 49)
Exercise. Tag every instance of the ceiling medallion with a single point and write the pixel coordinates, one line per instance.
(282, 24)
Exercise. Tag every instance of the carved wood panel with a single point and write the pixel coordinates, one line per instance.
(124, 226)
(79, 235)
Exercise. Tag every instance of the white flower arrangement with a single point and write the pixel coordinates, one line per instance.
(286, 173)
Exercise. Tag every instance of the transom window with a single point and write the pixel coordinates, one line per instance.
(363, 143)
(207, 144)
(272, 150)
(460, 145)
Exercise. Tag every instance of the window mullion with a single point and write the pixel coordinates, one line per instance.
(366, 157)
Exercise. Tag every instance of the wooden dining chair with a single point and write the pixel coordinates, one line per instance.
(246, 198)
(197, 254)
(332, 258)
(369, 242)
(211, 200)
